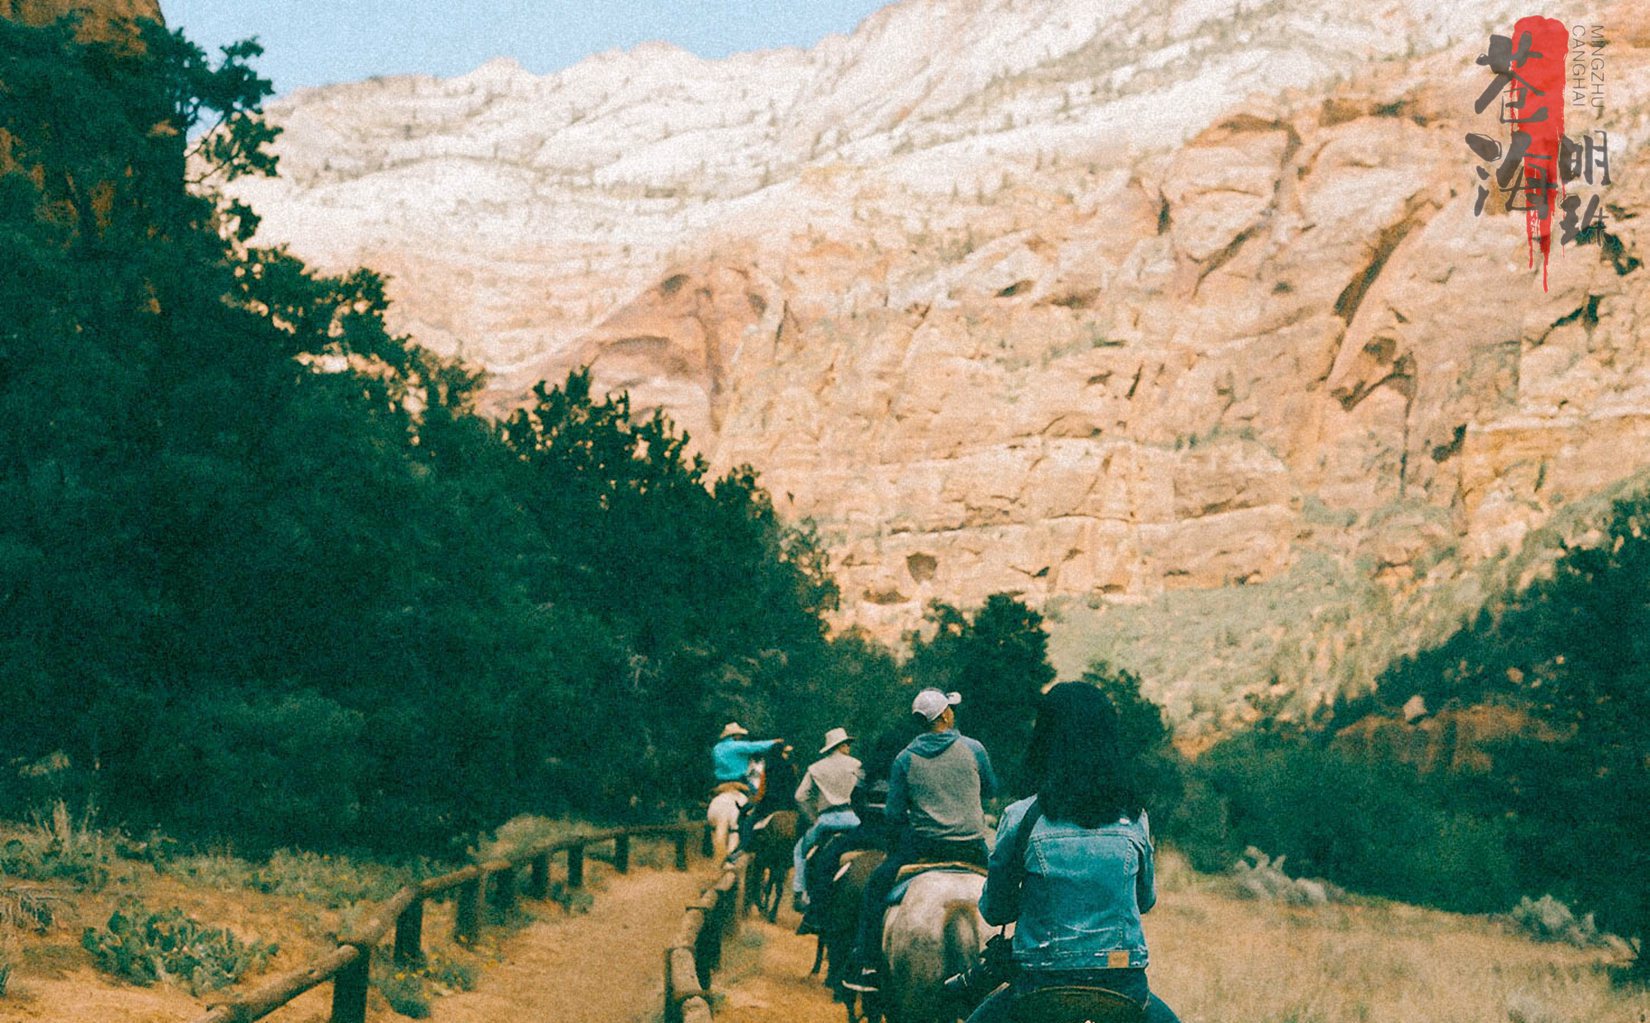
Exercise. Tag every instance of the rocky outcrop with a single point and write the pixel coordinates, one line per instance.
(1006, 299)
(98, 17)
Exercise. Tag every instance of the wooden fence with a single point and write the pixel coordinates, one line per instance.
(696, 951)
(348, 965)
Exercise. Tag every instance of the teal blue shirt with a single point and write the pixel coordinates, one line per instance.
(731, 758)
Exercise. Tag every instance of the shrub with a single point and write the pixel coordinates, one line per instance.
(58, 849)
(144, 947)
(1548, 919)
(451, 974)
(1258, 876)
(520, 835)
(332, 881)
(403, 989)
(1336, 815)
(26, 906)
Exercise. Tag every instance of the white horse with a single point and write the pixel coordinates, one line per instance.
(936, 931)
(723, 816)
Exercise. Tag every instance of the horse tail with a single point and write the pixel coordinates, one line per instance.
(962, 936)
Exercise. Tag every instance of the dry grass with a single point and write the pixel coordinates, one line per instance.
(1220, 960)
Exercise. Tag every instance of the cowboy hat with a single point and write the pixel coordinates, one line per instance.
(834, 738)
(731, 729)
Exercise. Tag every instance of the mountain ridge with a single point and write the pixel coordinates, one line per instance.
(1008, 297)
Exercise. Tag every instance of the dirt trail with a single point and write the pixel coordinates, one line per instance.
(604, 966)
(767, 981)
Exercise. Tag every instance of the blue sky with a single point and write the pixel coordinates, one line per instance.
(316, 42)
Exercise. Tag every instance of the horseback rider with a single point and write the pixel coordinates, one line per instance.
(868, 802)
(734, 762)
(778, 779)
(1072, 865)
(935, 794)
(825, 795)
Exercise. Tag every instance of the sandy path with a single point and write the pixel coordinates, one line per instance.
(604, 966)
(766, 980)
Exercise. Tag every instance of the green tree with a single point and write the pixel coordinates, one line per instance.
(998, 660)
(1145, 736)
(1579, 643)
(266, 575)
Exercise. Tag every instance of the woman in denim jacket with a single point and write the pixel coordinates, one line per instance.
(1077, 883)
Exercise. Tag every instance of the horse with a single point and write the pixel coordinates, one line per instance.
(840, 918)
(935, 932)
(723, 817)
(770, 861)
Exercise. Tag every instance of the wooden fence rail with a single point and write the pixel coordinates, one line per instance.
(696, 951)
(348, 966)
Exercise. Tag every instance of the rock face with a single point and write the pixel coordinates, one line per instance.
(1096, 307)
(96, 15)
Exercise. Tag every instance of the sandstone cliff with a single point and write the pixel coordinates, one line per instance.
(1175, 320)
(97, 16)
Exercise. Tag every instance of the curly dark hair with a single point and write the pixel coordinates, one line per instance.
(1075, 760)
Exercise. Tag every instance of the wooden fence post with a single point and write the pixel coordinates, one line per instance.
(538, 883)
(707, 847)
(467, 918)
(503, 890)
(575, 866)
(670, 990)
(349, 988)
(681, 850)
(621, 853)
(738, 895)
(409, 935)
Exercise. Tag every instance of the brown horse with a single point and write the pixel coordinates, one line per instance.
(770, 861)
(840, 920)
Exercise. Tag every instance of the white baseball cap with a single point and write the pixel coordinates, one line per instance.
(931, 703)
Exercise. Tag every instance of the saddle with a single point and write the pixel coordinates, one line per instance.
(847, 862)
(1076, 1004)
(909, 872)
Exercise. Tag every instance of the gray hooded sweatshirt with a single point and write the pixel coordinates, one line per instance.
(937, 786)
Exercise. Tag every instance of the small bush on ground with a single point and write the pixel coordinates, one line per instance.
(1258, 876)
(403, 989)
(450, 974)
(522, 834)
(143, 947)
(573, 900)
(332, 881)
(29, 906)
(57, 848)
(1548, 919)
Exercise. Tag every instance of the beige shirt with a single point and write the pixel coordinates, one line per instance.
(828, 783)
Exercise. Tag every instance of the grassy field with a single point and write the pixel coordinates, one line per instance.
(1220, 959)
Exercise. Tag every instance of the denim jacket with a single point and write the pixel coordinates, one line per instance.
(1077, 896)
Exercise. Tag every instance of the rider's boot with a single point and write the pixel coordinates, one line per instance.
(862, 978)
